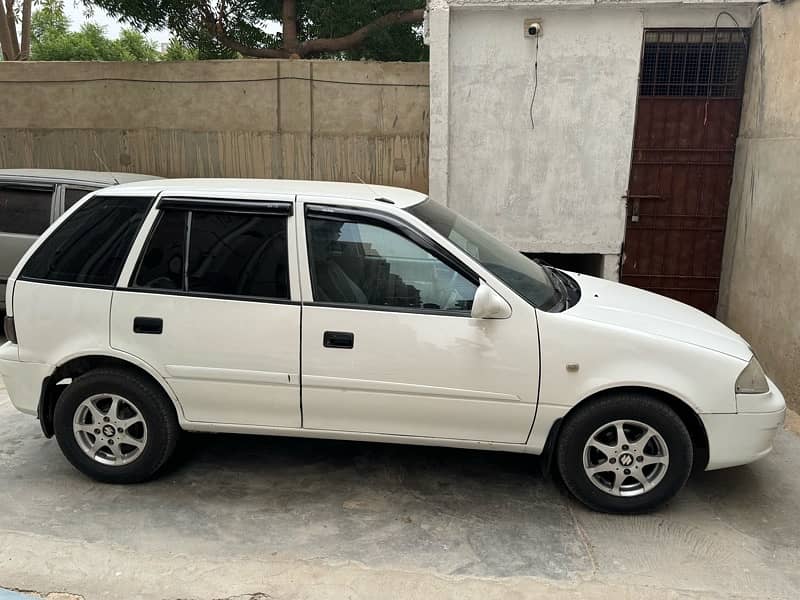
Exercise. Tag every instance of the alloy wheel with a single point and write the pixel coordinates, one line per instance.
(625, 458)
(110, 429)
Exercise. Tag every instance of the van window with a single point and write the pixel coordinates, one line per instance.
(25, 210)
(72, 195)
(229, 254)
(90, 247)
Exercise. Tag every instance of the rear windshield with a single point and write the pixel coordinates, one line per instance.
(90, 247)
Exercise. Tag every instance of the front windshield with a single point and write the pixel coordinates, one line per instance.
(524, 276)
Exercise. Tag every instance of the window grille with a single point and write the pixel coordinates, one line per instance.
(694, 62)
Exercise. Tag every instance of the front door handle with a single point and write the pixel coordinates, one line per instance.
(337, 339)
(151, 325)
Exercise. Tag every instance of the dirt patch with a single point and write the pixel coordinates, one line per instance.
(792, 421)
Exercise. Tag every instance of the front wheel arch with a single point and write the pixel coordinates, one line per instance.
(600, 464)
(687, 414)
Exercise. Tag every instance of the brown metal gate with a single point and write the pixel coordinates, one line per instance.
(686, 126)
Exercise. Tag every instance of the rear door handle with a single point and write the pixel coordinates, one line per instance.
(151, 325)
(337, 339)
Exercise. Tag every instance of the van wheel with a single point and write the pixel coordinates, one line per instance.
(625, 453)
(115, 426)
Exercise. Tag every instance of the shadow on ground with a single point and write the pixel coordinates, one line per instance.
(410, 508)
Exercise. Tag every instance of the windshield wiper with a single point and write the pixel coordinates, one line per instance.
(558, 285)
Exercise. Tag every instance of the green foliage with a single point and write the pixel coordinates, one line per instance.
(49, 20)
(397, 42)
(177, 50)
(52, 39)
(134, 46)
(246, 22)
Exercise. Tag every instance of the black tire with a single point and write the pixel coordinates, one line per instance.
(152, 403)
(586, 420)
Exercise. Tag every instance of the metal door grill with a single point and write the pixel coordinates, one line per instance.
(686, 126)
(693, 62)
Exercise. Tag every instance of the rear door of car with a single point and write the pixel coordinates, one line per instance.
(26, 210)
(210, 298)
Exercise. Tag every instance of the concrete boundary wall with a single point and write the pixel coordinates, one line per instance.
(245, 118)
(761, 267)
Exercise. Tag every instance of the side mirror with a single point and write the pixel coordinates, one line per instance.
(488, 304)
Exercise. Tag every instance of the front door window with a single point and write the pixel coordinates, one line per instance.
(356, 262)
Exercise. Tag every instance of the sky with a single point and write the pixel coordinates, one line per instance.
(77, 16)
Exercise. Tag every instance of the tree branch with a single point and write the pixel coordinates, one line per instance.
(289, 16)
(216, 28)
(12, 28)
(25, 42)
(359, 35)
(215, 24)
(5, 35)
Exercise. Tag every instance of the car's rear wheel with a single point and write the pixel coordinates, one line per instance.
(115, 426)
(626, 452)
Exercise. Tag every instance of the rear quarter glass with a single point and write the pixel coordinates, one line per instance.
(91, 245)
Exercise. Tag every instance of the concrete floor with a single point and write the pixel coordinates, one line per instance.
(256, 518)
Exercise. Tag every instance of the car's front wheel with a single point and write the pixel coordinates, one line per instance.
(115, 426)
(626, 452)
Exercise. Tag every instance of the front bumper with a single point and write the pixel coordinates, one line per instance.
(744, 437)
(23, 380)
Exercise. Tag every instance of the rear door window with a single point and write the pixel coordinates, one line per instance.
(25, 209)
(161, 266)
(92, 244)
(217, 253)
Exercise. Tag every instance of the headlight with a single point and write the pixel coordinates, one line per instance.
(752, 380)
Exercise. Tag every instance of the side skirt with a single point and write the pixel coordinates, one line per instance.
(355, 436)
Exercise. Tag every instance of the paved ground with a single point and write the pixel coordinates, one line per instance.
(256, 518)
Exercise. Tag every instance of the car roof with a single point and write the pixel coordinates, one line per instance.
(103, 178)
(400, 197)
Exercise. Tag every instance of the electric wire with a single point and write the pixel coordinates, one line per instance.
(535, 82)
(202, 81)
(713, 52)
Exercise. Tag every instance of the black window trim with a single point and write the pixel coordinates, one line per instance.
(99, 286)
(14, 184)
(265, 207)
(347, 213)
(116, 288)
(188, 208)
(208, 295)
(24, 185)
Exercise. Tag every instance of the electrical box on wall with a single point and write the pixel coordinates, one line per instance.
(533, 28)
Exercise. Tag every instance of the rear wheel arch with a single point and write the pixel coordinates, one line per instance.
(52, 386)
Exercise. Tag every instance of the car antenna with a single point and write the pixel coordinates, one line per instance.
(377, 197)
(105, 166)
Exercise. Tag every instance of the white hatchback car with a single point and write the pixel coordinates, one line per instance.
(365, 313)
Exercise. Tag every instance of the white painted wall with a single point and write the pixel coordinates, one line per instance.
(557, 186)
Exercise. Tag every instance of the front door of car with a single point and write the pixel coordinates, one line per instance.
(388, 343)
(210, 303)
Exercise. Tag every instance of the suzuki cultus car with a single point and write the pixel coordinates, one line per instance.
(353, 312)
